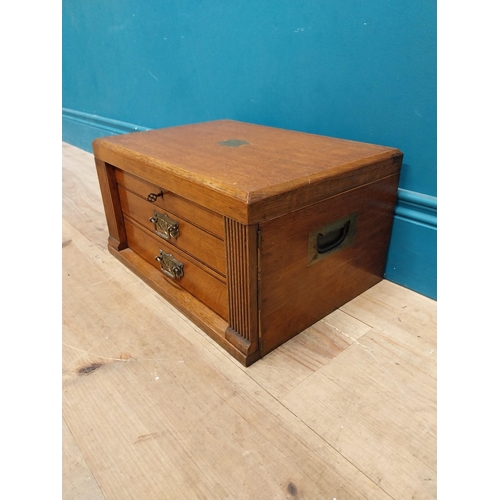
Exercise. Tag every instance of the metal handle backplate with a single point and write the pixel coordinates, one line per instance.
(165, 227)
(169, 265)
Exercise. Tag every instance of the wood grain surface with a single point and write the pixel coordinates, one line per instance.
(154, 408)
(294, 294)
(198, 280)
(272, 172)
(197, 215)
(205, 247)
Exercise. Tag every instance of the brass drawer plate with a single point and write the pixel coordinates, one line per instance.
(165, 227)
(169, 265)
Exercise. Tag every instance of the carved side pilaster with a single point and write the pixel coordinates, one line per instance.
(111, 201)
(241, 259)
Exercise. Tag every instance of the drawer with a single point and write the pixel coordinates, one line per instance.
(195, 241)
(196, 279)
(197, 215)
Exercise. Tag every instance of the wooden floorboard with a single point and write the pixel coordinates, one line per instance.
(78, 480)
(154, 409)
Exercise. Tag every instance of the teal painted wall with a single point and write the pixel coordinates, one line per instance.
(354, 69)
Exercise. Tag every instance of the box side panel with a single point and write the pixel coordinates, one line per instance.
(297, 288)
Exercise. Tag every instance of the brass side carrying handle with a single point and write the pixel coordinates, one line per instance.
(169, 265)
(330, 239)
(165, 227)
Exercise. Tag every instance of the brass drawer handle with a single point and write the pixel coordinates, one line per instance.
(153, 197)
(165, 227)
(169, 265)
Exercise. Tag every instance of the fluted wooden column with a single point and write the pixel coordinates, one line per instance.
(241, 259)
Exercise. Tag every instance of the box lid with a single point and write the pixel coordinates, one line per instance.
(248, 172)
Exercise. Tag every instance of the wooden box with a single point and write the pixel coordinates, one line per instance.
(254, 233)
